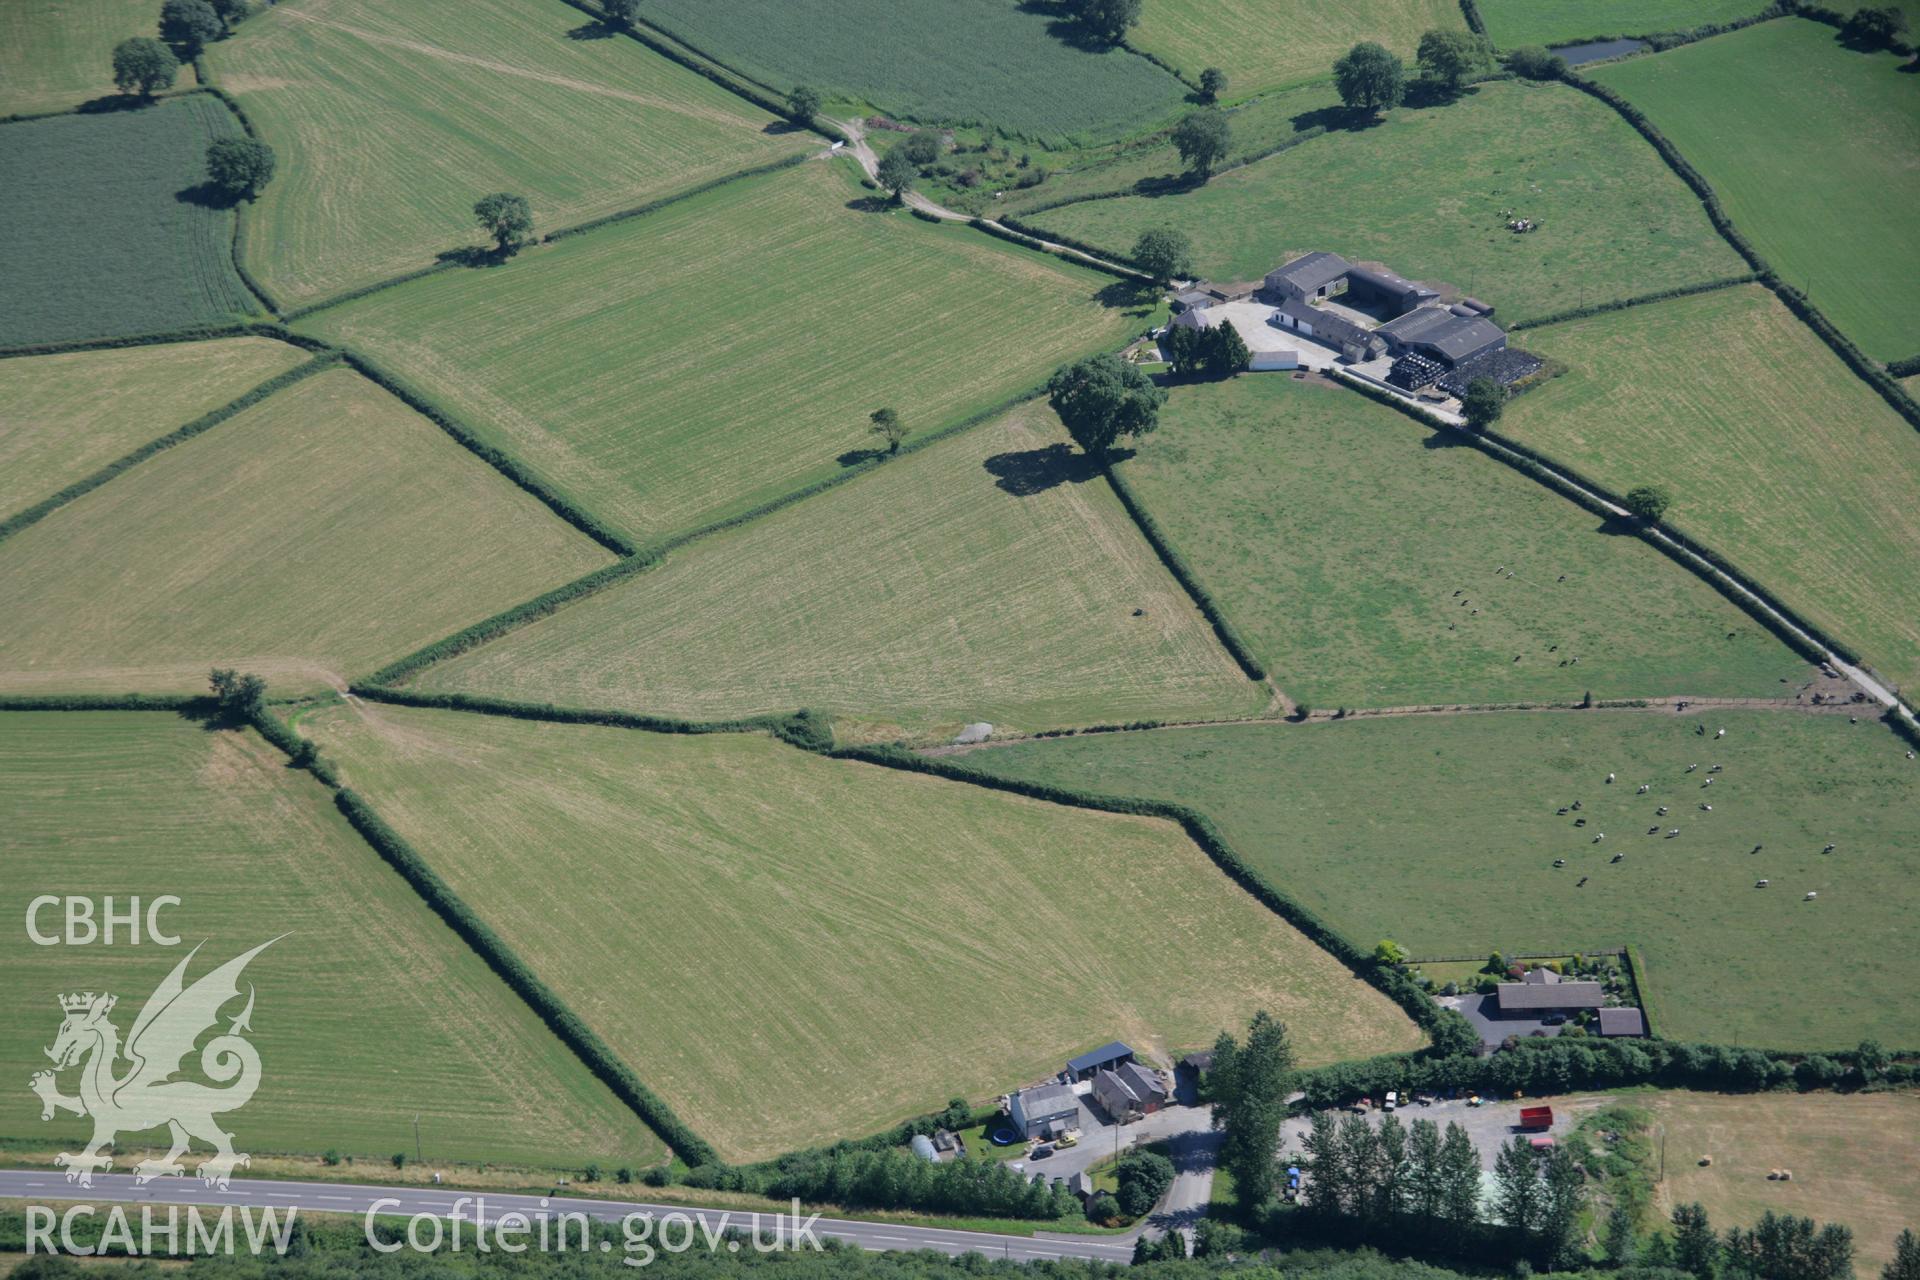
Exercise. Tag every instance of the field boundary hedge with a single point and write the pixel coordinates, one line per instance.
(167, 337)
(29, 516)
(1639, 300)
(804, 728)
(1797, 302)
(243, 207)
(504, 961)
(1661, 41)
(1904, 368)
(699, 189)
(105, 702)
(1637, 970)
(1094, 261)
(1185, 575)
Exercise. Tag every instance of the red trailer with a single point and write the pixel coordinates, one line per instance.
(1536, 1119)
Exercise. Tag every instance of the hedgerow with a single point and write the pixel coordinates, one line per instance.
(654, 206)
(205, 422)
(803, 728)
(1905, 368)
(564, 1023)
(185, 702)
(1621, 304)
(1106, 264)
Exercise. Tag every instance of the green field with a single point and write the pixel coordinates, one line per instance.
(1441, 832)
(311, 538)
(959, 62)
(1513, 23)
(392, 119)
(1426, 191)
(1352, 549)
(921, 597)
(1775, 454)
(368, 1012)
(56, 54)
(1822, 171)
(792, 950)
(66, 416)
(687, 365)
(104, 233)
(1261, 43)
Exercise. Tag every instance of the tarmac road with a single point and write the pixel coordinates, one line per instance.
(50, 1186)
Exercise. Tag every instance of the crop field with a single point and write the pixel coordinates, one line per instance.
(369, 1011)
(317, 535)
(1513, 23)
(1822, 172)
(56, 54)
(1851, 1157)
(748, 925)
(1009, 64)
(1441, 832)
(105, 232)
(1436, 185)
(64, 417)
(1367, 562)
(1774, 453)
(392, 119)
(925, 595)
(1261, 45)
(691, 364)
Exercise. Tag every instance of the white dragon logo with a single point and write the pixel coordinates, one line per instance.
(147, 1096)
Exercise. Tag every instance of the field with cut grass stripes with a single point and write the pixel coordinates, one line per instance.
(108, 231)
(1436, 186)
(56, 54)
(313, 537)
(1260, 44)
(391, 120)
(368, 1013)
(1009, 64)
(688, 365)
(1366, 562)
(1441, 833)
(792, 950)
(1513, 23)
(991, 577)
(64, 417)
(1822, 171)
(1775, 454)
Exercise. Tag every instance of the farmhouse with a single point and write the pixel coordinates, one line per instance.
(1525, 999)
(1129, 1090)
(1092, 1062)
(1043, 1110)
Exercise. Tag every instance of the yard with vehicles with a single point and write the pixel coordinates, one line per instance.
(1438, 186)
(1441, 831)
(370, 1011)
(792, 950)
(1019, 67)
(324, 531)
(1371, 562)
(681, 368)
(1260, 48)
(65, 416)
(391, 120)
(1514, 23)
(56, 54)
(1774, 453)
(992, 577)
(110, 231)
(1819, 172)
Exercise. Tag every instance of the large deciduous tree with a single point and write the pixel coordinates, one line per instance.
(1369, 78)
(1484, 402)
(1648, 502)
(619, 14)
(1213, 83)
(886, 424)
(896, 172)
(1164, 254)
(803, 104)
(1103, 398)
(1449, 58)
(143, 65)
(188, 25)
(1202, 140)
(240, 166)
(506, 217)
(1107, 19)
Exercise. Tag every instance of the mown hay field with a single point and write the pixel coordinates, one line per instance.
(313, 537)
(107, 232)
(1851, 1158)
(64, 417)
(1775, 454)
(391, 120)
(368, 1012)
(1441, 832)
(1262, 45)
(792, 950)
(1822, 171)
(56, 54)
(690, 364)
(1365, 560)
(1513, 23)
(991, 577)
(1436, 185)
(1012, 65)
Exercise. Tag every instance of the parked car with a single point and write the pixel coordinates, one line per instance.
(1393, 1099)
(1553, 1019)
(1041, 1152)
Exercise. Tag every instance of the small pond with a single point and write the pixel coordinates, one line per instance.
(1575, 54)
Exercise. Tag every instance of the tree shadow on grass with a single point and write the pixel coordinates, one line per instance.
(858, 457)
(1127, 294)
(1032, 471)
(474, 255)
(1619, 527)
(1444, 440)
(1336, 120)
(593, 31)
(109, 103)
(206, 195)
(1423, 95)
(872, 204)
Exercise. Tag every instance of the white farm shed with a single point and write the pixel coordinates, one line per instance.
(1267, 361)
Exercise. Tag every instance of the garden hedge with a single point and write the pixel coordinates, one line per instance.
(205, 422)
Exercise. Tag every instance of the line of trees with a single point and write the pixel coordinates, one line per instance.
(1371, 79)
(1778, 1247)
(1217, 351)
